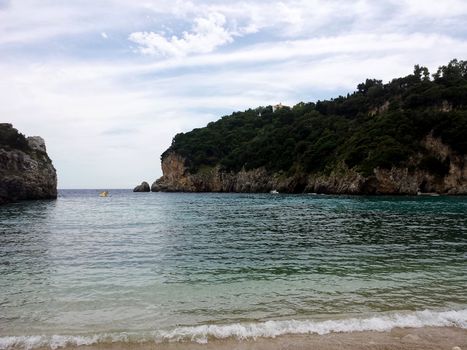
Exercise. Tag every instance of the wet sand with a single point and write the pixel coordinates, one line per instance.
(427, 338)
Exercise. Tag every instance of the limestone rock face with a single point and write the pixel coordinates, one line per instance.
(26, 171)
(341, 180)
(144, 187)
(37, 143)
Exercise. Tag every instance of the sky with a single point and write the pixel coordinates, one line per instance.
(108, 83)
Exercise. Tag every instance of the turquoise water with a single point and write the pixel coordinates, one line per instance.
(194, 266)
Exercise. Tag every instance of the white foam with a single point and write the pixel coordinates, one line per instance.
(59, 341)
(269, 329)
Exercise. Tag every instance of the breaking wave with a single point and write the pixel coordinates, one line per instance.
(244, 331)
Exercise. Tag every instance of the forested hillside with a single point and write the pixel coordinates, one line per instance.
(378, 125)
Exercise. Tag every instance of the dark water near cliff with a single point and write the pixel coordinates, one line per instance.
(139, 265)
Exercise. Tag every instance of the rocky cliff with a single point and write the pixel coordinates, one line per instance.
(26, 171)
(341, 180)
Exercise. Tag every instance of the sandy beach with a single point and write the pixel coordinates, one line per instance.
(427, 338)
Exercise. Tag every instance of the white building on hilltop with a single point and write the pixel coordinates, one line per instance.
(278, 106)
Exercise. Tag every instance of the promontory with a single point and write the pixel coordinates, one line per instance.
(26, 171)
(406, 136)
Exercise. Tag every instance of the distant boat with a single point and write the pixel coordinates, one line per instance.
(274, 192)
(104, 194)
(432, 194)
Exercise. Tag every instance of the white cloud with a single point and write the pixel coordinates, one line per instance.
(435, 9)
(207, 34)
(104, 35)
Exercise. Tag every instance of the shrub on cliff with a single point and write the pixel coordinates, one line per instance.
(11, 138)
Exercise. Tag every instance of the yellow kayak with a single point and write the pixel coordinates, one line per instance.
(104, 194)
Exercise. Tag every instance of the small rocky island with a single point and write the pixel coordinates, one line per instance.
(407, 136)
(26, 171)
(144, 187)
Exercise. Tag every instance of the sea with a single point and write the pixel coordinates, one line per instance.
(201, 267)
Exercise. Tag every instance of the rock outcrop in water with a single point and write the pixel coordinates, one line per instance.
(26, 171)
(403, 137)
(144, 187)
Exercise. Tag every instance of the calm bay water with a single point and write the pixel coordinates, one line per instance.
(166, 265)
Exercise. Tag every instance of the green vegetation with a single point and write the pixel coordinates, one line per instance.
(10, 138)
(379, 125)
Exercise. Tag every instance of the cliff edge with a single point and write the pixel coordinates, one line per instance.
(342, 180)
(26, 171)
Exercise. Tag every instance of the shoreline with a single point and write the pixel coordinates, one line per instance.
(426, 338)
(423, 328)
(340, 194)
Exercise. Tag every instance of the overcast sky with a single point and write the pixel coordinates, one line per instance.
(108, 83)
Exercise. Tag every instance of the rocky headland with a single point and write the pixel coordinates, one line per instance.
(26, 171)
(342, 180)
(404, 137)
